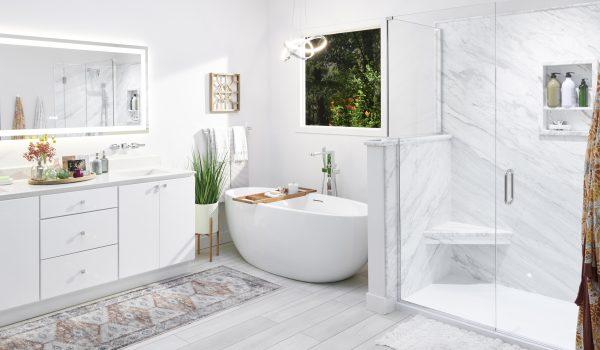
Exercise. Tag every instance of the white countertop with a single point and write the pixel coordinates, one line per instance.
(21, 189)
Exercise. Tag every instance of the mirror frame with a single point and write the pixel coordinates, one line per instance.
(87, 46)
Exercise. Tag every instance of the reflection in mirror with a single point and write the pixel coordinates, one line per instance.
(70, 88)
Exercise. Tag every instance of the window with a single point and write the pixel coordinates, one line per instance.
(343, 82)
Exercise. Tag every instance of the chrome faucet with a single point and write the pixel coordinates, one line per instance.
(329, 170)
(125, 146)
(135, 145)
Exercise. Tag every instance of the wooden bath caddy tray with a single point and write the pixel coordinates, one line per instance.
(62, 181)
(262, 198)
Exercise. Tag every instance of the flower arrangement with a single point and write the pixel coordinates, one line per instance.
(41, 151)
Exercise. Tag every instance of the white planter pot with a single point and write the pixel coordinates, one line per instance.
(203, 214)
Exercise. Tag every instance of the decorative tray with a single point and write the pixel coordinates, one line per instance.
(62, 181)
(262, 198)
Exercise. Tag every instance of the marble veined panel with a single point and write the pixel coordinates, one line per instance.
(425, 169)
(489, 138)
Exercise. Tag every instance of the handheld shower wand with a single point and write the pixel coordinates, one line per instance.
(329, 170)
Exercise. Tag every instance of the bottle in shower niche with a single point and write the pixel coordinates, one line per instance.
(133, 104)
(568, 92)
(582, 94)
(553, 91)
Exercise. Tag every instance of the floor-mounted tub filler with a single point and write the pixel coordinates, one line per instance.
(314, 238)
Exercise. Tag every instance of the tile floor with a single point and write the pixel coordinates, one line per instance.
(298, 316)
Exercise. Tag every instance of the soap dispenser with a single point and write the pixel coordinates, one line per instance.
(104, 162)
(568, 92)
(553, 91)
(97, 165)
(583, 94)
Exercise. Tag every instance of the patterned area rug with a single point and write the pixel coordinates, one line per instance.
(138, 314)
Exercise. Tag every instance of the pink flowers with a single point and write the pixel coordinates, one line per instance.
(41, 151)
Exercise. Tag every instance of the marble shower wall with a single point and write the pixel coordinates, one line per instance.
(425, 201)
(94, 94)
(69, 96)
(99, 89)
(128, 78)
(544, 255)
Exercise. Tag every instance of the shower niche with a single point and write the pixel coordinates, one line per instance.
(573, 121)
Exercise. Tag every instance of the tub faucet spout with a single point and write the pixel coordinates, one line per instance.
(329, 170)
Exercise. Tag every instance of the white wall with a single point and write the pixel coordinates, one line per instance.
(291, 154)
(187, 39)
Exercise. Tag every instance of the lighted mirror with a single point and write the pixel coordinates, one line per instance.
(61, 87)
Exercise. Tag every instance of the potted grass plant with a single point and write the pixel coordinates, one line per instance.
(209, 174)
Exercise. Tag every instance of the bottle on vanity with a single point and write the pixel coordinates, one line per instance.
(553, 91)
(104, 161)
(568, 94)
(583, 93)
(97, 165)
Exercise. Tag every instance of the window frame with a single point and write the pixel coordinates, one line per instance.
(382, 131)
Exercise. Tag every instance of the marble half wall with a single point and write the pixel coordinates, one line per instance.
(425, 202)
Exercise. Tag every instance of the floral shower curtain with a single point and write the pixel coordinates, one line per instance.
(588, 298)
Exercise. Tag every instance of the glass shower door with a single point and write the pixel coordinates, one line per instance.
(540, 168)
(442, 93)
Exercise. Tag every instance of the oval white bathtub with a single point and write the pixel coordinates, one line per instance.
(315, 238)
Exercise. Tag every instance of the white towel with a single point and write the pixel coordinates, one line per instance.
(220, 142)
(38, 121)
(240, 146)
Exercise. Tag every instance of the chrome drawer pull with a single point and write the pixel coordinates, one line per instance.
(82, 233)
(83, 271)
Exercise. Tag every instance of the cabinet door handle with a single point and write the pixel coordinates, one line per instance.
(509, 190)
(82, 233)
(164, 185)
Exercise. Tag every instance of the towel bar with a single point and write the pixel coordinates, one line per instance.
(206, 131)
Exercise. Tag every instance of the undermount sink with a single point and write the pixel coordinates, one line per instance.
(140, 172)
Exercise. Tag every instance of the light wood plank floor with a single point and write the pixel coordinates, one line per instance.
(297, 316)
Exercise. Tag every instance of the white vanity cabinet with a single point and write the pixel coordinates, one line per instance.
(156, 225)
(78, 240)
(59, 240)
(139, 211)
(177, 228)
(19, 252)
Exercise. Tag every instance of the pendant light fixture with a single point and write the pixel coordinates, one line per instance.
(302, 48)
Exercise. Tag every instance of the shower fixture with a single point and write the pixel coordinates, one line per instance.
(94, 72)
(329, 171)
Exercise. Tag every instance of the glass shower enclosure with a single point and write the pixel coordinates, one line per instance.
(84, 94)
(490, 176)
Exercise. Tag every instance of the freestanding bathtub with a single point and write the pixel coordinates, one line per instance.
(315, 238)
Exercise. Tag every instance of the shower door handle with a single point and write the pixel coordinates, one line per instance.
(509, 190)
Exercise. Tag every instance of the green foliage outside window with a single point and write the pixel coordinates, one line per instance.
(343, 82)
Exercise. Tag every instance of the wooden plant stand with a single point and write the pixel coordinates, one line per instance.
(210, 239)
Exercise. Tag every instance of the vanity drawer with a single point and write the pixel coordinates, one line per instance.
(77, 202)
(78, 271)
(75, 233)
